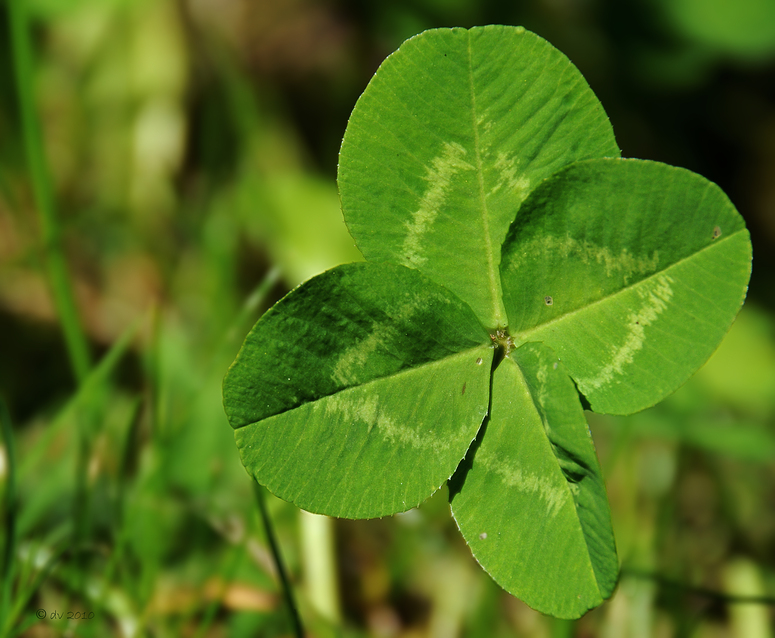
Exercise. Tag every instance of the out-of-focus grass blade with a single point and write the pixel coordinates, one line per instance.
(25, 593)
(86, 392)
(9, 548)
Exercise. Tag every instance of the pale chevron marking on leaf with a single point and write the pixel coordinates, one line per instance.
(350, 409)
(656, 295)
(439, 177)
(356, 356)
(355, 409)
(541, 394)
(510, 177)
(625, 262)
(513, 476)
(393, 432)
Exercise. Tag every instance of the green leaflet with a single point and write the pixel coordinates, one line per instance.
(358, 393)
(646, 266)
(447, 140)
(479, 177)
(543, 530)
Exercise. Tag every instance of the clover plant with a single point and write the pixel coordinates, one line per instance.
(517, 271)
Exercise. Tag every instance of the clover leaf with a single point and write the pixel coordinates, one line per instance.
(514, 263)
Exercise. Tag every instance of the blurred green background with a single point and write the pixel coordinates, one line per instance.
(191, 150)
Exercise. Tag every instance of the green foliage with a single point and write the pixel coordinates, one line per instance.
(189, 154)
(513, 261)
(744, 29)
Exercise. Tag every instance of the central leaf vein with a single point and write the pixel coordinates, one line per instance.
(494, 276)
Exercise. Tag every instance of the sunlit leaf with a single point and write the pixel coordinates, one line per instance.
(632, 271)
(452, 133)
(359, 393)
(532, 505)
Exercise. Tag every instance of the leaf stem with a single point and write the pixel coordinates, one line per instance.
(319, 553)
(561, 628)
(278, 561)
(43, 191)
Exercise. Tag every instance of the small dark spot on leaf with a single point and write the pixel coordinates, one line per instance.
(716, 232)
(637, 323)
(479, 361)
(548, 300)
(464, 388)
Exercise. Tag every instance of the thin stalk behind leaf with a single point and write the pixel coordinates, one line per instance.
(285, 583)
(320, 571)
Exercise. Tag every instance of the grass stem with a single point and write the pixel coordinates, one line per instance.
(9, 549)
(278, 560)
(58, 274)
(43, 191)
